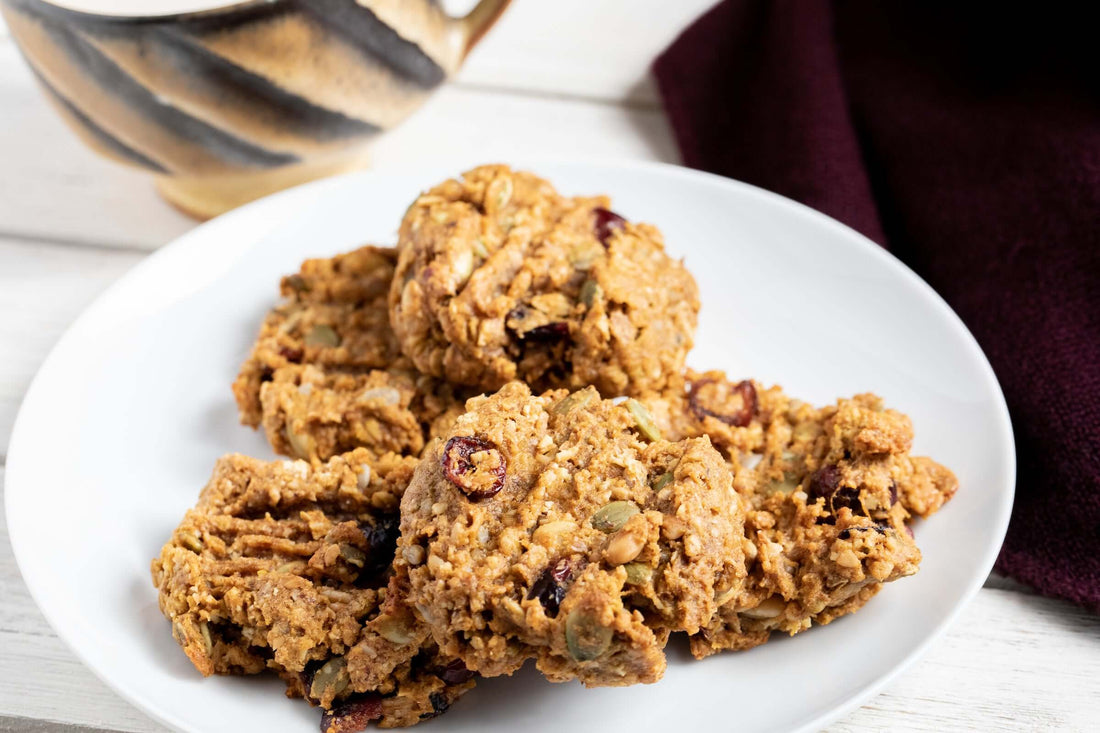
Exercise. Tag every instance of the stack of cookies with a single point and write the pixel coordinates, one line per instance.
(497, 454)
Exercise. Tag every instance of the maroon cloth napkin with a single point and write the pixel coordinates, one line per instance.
(965, 138)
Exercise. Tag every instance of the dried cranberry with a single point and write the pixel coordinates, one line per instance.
(825, 519)
(547, 333)
(476, 482)
(293, 354)
(352, 716)
(382, 540)
(607, 222)
(455, 673)
(847, 497)
(893, 493)
(267, 374)
(439, 703)
(824, 482)
(739, 419)
(552, 585)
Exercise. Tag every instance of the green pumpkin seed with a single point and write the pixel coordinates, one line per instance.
(590, 293)
(322, 336)
(662, 481)
(611, 517)
(580, 398)
(353, 555)
(330, 680)
(638, 573)
(585, 637)
(393, 629)
(643, 420)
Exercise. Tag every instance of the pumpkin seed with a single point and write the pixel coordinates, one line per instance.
(580, 398)
(662, 481)
(590, 293)
(638, 573)
(393, 629)
(323, 336)
(611, 517)
(353, 555)
(585, 637)
(330, 680)
(643, 420)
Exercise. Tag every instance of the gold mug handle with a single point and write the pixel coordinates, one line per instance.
(478, 21)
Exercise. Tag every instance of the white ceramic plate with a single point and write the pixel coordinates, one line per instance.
(125, 419)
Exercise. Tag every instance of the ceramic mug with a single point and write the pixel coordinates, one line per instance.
(233, 102)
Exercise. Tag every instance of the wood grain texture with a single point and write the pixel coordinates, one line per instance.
(43, 287)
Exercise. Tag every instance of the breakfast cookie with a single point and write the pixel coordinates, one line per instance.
(499, 277)
(309, 412)
(283, 566)
(326, 376)
(828, 491)
(737, 415)
(562, 528)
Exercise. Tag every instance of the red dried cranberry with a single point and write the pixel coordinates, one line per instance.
(847, 497)
(746, 389)
(607, 222)
(460, 470)
(552, 585)
(293, 354)
(547, 333)
(824, 482)
(439, 703)
(455, 673)
(382, 540)
(352, 716)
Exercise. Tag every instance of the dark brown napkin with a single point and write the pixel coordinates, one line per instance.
(965, 138)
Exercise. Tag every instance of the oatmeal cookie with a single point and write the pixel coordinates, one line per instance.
(283, 566)
(829, 492)
(326, 376)
(309, 412)
(499, 277)
(737, 415)
(562, 528)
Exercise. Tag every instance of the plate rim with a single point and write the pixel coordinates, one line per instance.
(456, 165)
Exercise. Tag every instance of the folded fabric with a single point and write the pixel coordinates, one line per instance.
(965, 138)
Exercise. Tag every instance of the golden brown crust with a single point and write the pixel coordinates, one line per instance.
(282, 566)
(334, 315)
(499, 277)
(598, 541)
(325, 375)
(829, 491)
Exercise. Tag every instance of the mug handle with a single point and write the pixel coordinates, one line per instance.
(479, 20)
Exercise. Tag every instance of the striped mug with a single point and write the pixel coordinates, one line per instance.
(224, 102)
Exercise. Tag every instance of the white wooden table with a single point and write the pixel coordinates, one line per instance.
(567, 78)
